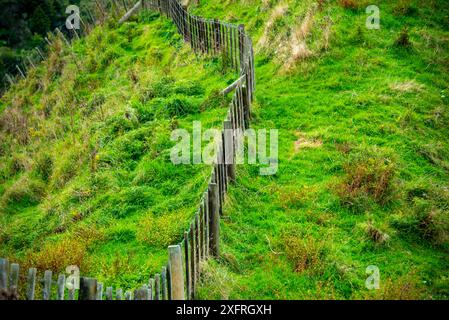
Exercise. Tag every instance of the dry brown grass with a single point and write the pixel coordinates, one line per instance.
(71, 250)
(305, 143)
(306, 254)
(407, 86)
(349, 4)
(277, 13)
(404, 288)
(376, 235)
(367, 177)
(434, 225)
(291, 198)
(14, 121)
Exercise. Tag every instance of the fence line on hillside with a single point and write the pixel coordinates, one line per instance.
(179, 278)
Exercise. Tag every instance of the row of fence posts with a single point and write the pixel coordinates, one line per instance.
(179, 278)
(89, 18)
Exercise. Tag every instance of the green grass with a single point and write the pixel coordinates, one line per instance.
(85, 174)
(363, 155)
(296, 235)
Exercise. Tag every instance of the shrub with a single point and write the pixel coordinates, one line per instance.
(161, 230)
(180, 106)
(404, 288)
(404, 8)
(304, 254)
(368, 177)
(376, 235)
(348, 4)
(429, 215)
(24, 191)
(43, 166)
(403, 39)
(71, 250)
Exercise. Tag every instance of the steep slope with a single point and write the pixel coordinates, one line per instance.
(85, 171)
(363, 165)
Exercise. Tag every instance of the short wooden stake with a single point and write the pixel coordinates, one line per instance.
(214, 220)
(31, 283)
(176, 273)
(88, 289)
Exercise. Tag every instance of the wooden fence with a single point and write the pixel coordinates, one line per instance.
(179, 278)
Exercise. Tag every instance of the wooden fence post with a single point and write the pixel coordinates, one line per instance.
(176, 273)
(119, 294)
(206, 213)
(229, 149)
(164, 283)
(187, 261)
(20, 71)
(61, 287)
(47, 285)
(109, 293)
(192, 261)
(168, 282)
(214, 220)
(157, 287)
(88, 289)
(31, 283)
(14, 280)
(99, 291)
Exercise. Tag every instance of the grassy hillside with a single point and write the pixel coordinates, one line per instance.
(86, 178)
(85, 170)
(364, 155)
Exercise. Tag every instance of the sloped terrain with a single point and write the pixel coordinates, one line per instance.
(363, 161)
(85, 174)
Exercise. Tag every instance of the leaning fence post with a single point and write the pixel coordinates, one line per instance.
(176, 274)
(214, 220)
(20, 71)
(88, 289)
(31, 283)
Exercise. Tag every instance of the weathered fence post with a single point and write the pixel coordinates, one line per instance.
(214, 220)
(109, 293)
(186, 257)
(61, 287)
(229, 149)
(128, 295)
(157, 287)
(31, 283)
(47, 285)
(119, 294)
(20, 71)
(99, 291)
(176, 274)
(14, 280)
(88, 289)
(4, 264)
(164, 283)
